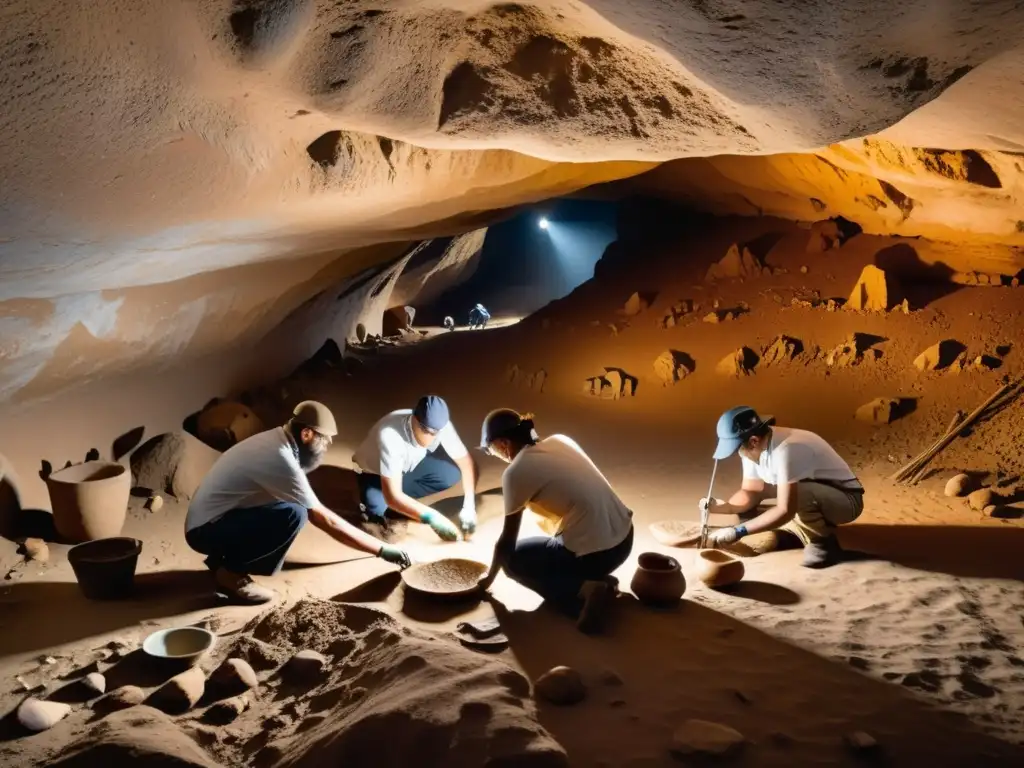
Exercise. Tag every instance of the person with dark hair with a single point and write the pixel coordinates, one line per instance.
(478, 317)
(449, 323)
(815, 489)
(250, 507)
(399, 464)
(592, 530)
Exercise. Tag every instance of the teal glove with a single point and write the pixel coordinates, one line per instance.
(467, 520)
(441, 525)
(395, 556)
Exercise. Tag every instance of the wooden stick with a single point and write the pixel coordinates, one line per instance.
(916, 466)
(950, 436)
(953, 424)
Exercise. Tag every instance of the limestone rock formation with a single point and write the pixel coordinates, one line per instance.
(940, 356)
(672, 366)
(397, 320)
(781, 349)
(853, 351)
(875, 291)
(635, 304)
(881, 410)
(225, 423)
(174, 463)
(740, 363)
(677, 311)
(613, 384)
(736, 263)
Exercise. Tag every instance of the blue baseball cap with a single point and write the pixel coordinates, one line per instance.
(735, 426)
(432, 413)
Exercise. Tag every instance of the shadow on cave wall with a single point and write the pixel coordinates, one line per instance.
(922, 283)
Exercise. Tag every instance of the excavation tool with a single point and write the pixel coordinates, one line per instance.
(705, 510)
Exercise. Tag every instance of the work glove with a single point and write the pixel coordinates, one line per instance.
(707, 505)
(723, 537)
(467, 519)
(441, 525)
(395, 556)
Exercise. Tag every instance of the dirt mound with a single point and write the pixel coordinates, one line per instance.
(173, 463)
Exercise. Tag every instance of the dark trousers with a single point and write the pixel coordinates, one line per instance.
(545, 565)
(434, 474)
(252, 540)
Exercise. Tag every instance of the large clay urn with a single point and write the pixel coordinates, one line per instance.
(719, 569)
(89, 500)
(658, 580)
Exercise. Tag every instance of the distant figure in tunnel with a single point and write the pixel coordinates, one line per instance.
(399, 463)
(449, 323)
(248, 510)
(815, 489)
(478, 317)
(592, 530)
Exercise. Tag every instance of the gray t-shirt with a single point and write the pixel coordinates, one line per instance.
(796, 454)
(391, 450)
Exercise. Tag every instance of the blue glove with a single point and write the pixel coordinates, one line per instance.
(395, 556)
(441, 525)
(467, 520)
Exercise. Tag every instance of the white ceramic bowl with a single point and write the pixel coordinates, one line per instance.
(179, 643)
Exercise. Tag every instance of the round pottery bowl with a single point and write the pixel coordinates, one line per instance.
(89, 500)
(448, 578)
(184, 645)
(658, 579)
(105, 568)
(718, 569)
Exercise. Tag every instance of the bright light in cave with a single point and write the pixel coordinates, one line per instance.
(543, 223)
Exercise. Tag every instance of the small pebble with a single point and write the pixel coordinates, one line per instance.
(155, 503)
(36, 549)
(37, 715)
(95, 682)
(860, 741)
(561, 685)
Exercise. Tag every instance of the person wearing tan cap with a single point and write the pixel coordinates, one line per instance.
(256, 498)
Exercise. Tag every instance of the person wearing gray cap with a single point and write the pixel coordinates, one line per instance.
(399, 464)
(815, 489)
(592, 530)
(250, 507)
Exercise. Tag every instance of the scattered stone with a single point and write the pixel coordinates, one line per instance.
(38, 715)
(736, 263)
(679, 310)
(714, 317)
(939, 356)
(881, 410)
(561, 685)
(672, 366)
(234, 675)
(904, 307)
(851, 352)
(804, 270)
(994, 510)
(397, 319)
(860, 741)
(226, 423)
(980, 499)
(782, 349)
(172, 463)
(611, 677)
(25, 686)
(702, 738)
(958, 485)
(120, 698)
(180, 693)
(976, 278)
(306, 665)
(875, 291)
(740, 363)
(36, 549)
(155, 503)
(634, 305)
(613, 385)
(226, 711)
(823, 236)
(95, 682)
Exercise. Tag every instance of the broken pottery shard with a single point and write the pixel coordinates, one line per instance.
(36, 549)
(881, 410)
(561, 685)
(635, 304)
(306, 665)
(735, 263)
(672, 366)
(234, 675)
(957, 485)
(37, 715)
(980, 498)
(120, 698)
(875, 291)
(703, 738)
(180, 693)
(782, 349)
(740, 363)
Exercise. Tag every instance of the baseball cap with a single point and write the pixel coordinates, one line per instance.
(735, 426)
(432, 413)
(316, 416)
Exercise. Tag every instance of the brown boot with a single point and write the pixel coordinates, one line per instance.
(241, 587)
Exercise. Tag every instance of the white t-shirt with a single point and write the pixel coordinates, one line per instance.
(558, 482)
(391, 450)
(260, 470)
(793, 455)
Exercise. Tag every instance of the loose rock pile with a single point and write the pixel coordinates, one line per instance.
(614, 384)
(737, 263)
(672, 366)
(740, 363)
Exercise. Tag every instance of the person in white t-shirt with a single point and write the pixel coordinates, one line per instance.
(815, 488)
(592, 530)
(399, 464)
(250, 507)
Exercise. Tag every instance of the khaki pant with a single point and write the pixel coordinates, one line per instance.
(820, 509)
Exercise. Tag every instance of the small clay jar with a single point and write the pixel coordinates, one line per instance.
(658, 580)
(718, 569)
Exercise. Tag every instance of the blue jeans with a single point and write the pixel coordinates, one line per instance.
(432, 475)
(251, 540)
(545, 565)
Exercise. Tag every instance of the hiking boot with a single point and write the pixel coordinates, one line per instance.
(822, 553)
(597, 600)
(241, 587)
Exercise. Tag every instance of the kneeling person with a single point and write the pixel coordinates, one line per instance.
(256, 498)
(592, 529)
(816, 491)
(399, 464)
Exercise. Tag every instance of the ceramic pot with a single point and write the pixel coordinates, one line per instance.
(718, 569)
(658, 579)
(89, 500)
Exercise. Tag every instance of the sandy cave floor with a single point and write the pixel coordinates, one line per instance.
(919, 645)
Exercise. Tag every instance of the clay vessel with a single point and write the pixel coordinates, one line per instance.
(718, 569)
(105, 568)
(658, 579)
(89, 500)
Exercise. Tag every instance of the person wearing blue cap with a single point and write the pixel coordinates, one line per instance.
(399, 464)
(815, 489)
(592, 530)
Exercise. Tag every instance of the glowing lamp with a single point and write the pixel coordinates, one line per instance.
(543, 223)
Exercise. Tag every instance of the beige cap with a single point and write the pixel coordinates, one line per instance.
(317, 416)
